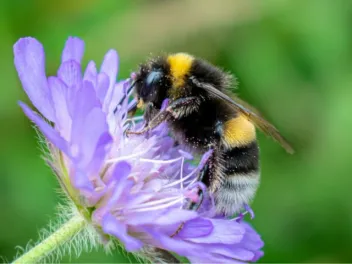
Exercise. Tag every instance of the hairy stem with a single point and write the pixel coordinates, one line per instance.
(64, 234)
(167, 256)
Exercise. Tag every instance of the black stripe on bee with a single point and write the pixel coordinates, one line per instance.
(241, 159)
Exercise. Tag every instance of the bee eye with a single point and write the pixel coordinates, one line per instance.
(153, 78)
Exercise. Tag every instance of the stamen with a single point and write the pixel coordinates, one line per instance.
(127, 157)
(99, 188)
(157, 202)
(194, 197)
(138, 208)
(193, 181)
(181, 174)
(128, 124)
(179, 181)
(161, 206)
(249, 210)
(240, 217)
(137, 118)
(161, 161)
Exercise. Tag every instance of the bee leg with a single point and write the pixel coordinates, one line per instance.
(183, 106)
(176, 109)
(203, 177)
(149, 113)
(157, 120)
(193, 206)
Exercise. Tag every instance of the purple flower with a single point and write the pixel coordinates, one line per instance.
(132, 189)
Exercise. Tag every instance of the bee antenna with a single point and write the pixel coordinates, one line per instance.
(129, 89)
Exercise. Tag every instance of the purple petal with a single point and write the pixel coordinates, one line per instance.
(139, 198)
(236, 253)
(110, 68)
(198, 227)
(251, 239)
(74, 50)
(224, 232)
(49, 132)
(113, 227)
(85, 100)
(114, 97)
(121, 171)
(59, 95)
(174, 216)
(178, 246)
(257, 256)
(102, 86)
(89, 139)
(30, 65)
(102, 148)
(80, 180)
(90, 73)
(70, 73)
(239, 253)
(143, 218)
(217, 259)
(185, 154)
(162, 217)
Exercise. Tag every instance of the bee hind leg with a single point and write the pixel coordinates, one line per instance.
(204, 178)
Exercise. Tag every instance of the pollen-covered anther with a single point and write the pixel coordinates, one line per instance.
(192, 196)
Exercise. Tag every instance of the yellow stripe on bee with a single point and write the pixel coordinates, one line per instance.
(180, 65)
(238, 131)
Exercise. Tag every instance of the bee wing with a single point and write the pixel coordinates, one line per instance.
(250, 112)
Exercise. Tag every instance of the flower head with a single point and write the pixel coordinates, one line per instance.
(132, 189)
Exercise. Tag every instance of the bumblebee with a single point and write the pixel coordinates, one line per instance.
(201, 115)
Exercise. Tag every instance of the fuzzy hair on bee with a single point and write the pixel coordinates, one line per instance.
(202, 116)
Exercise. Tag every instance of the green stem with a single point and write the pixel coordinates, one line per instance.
(55, 240)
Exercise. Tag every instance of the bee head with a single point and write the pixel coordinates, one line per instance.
(151, 84)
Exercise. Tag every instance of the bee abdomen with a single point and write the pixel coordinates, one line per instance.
(239, 178)
(241, 159)
(235, 192)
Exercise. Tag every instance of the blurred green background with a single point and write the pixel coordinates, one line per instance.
(293, 60)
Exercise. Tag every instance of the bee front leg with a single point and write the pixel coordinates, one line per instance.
(178, 108)
(157, 120)
(149, 113)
